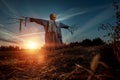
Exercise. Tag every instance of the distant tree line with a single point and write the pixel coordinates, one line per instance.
(89, 42)
(9, 48)
(85, 42)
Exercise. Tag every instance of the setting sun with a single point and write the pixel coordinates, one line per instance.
(31, 45)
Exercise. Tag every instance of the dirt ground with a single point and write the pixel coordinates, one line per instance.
(76, 63)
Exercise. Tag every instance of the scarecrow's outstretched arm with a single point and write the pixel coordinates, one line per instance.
(39, 21)
(64, 26)
(67, 27)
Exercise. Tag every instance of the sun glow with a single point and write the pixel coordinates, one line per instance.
(32, 42)
(32, 45)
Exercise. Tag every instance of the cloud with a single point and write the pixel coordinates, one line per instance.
(96, 20)
(70, 16)
(77, 11)
(8, 36)
(7, 40)
(104, 15)
(9, 8)
(1, 25)
(70, 13)
(31, 34)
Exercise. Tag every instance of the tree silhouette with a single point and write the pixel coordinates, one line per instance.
(9, 48)
(86, 42)
(97, 41)
(113, 31)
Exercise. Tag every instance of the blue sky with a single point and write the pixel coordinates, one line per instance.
(84, 16)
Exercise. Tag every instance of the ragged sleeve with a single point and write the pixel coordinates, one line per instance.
(39, 21)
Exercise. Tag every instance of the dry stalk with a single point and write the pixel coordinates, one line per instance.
(94, 65)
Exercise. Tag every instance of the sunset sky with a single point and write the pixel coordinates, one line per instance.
(84, 17)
